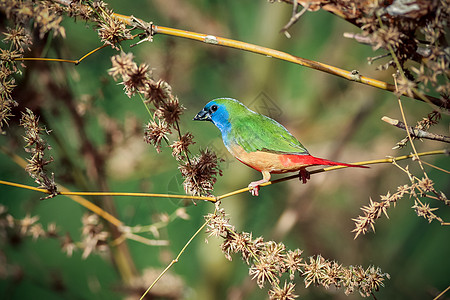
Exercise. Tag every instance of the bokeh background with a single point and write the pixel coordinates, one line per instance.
(332, 117)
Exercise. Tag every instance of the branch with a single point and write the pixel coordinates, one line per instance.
(417, 133)
(150, 30)
(219, 41)
(369, 162)
(216, 199)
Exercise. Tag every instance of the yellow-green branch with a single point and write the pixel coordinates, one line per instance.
(225, 42)
(220, 41)
(209, 198)
(368, 162)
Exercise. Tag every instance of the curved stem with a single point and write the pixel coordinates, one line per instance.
(220, 41)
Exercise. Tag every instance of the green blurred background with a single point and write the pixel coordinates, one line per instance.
(332, 117)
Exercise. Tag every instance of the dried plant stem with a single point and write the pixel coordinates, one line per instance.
(212, 199)
(142, 240)
(133, 194)
(442, 293)
(130, 194)
(219, 41)
(75, 197)
(174, 261)
(417, 133)
(76, 62)
(436, 167)
(295, 17)
(62, 190)
(407, 127)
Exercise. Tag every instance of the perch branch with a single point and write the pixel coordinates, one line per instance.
(215, 199)
(369, 162)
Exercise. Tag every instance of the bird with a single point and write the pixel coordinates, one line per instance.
(260, 142)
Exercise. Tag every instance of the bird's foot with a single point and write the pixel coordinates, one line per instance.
(304, 175)
(253, 189)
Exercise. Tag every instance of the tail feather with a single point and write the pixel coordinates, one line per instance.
(336, 163)
(312, 160)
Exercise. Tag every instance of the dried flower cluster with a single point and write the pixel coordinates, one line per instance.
(36, 146)
(200, 171)
(269, 260)
(138, 79)
(19, 40)
(94, 238)
(418, 188)
(409, 31)
(46, 15)
(155, 133)
(111, 30)
(415, 32)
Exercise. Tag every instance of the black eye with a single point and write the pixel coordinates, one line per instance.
(214, 108)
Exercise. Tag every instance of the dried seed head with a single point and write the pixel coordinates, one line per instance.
(180, 147)
(264, 270)
(285, 293)
(112, 31)
(158, 92)
(136, 79)
(19, 38)
(122, 65)
(155, 133)
(170, 111)
(200, 173)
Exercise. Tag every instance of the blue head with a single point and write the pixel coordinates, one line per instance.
(218, 111)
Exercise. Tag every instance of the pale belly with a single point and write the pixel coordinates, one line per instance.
(270, 162)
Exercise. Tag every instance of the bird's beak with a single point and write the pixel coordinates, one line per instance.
(203, 115)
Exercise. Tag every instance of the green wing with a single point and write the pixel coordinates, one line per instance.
(255, 132)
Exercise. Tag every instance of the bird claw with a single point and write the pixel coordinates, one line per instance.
(304, 175)
(253, 189)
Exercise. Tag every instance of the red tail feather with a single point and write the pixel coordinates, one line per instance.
(311, 160)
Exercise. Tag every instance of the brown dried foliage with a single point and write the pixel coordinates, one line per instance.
(268, 261)
(416, 31)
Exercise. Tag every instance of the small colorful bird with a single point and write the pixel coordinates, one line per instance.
(260, 142)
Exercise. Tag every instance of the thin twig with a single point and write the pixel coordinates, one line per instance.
(295, 17)
(176, 259)
(363, 39)
(75, 62)
(442, 293)
(436, 167)
(404, 120)
(417, 133)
